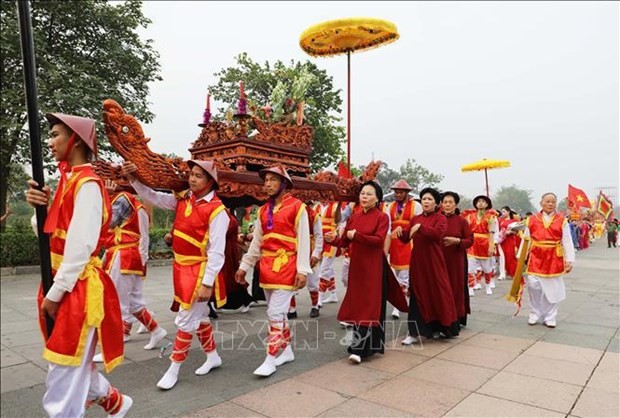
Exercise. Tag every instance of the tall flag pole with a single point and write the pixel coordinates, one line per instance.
(30, 84)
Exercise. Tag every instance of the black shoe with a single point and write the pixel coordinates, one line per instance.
(314, 312)
(291, 315)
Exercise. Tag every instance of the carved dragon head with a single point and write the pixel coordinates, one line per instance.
(123, 130)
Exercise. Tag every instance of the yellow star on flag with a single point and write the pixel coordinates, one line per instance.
(580, 198)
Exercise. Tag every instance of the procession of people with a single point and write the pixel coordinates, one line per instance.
(425, 257)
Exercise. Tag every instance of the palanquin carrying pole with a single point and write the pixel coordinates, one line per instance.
(30, 83)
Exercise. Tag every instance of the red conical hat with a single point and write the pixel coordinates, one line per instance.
(83, 127)
(207, 166)
(401, 185)
(280, 171)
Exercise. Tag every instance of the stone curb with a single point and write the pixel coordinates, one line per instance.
(19, 270)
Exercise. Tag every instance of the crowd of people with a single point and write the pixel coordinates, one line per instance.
(423, 256)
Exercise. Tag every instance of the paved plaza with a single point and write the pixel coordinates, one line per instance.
(498, 366)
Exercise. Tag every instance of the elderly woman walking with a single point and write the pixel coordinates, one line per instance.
(431, 304)
(457, 240)
(371, 281)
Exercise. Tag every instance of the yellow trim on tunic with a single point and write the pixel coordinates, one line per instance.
(277, 286)
(94, 307)
(400, 267)
(191, 240)
(299, 213)
(559, 249)
(281, 237)
(69, 360)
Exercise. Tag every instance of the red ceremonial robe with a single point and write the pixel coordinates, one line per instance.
(585, 236)
(509, 245)
(432, 303)
(236, 294)
(456, 259)
(363, 301)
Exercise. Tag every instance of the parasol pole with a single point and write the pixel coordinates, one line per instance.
(486, 180)
(349, 110)
(30, 83)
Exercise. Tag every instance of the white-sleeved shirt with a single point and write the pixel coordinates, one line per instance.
(303, 245)
(494, 229)
(81, 240)
(317, 230)
(417, 210)
(143, 222)
(217, 227)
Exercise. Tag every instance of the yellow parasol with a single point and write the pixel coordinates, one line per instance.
(485, 165)
(343, 36)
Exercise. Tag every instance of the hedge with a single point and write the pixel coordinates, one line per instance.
(19, 246)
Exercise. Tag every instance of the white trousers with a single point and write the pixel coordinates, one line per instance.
(539, 304)
(129, 289)
(502, 262)
(403, 277)
(278, 302)
(312, 280)
(486, 265)
(68, 388)
(327, 268)
(189, 320)
(346, 263)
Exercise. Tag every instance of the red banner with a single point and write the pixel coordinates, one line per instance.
(604, 206)
(343, 171)
(577, 199)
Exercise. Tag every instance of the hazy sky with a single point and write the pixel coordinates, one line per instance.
(532, 82)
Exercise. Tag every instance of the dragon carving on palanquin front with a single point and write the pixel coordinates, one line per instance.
(240, 185)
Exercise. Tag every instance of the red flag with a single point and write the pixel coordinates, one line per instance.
(604, 205)
(248, 211)
(577, 199)
(343, 171)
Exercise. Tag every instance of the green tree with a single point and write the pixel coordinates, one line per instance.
(519, 200)
(418, 176)
(86, 51)
(386, 176)
(413, 173)
(563, 205)
(322, 101)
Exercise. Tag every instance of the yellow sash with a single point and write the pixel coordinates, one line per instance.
(281, 258)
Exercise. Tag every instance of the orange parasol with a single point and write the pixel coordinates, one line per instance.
(344, 36)
(485, 165)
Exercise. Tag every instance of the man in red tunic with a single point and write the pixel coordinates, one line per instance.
(483, 223)
(551, 256)
(330, 218)
(198, 244)
(401, 212)
(82, 301)
(316, 247)
(281, 241)
(127, 252)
